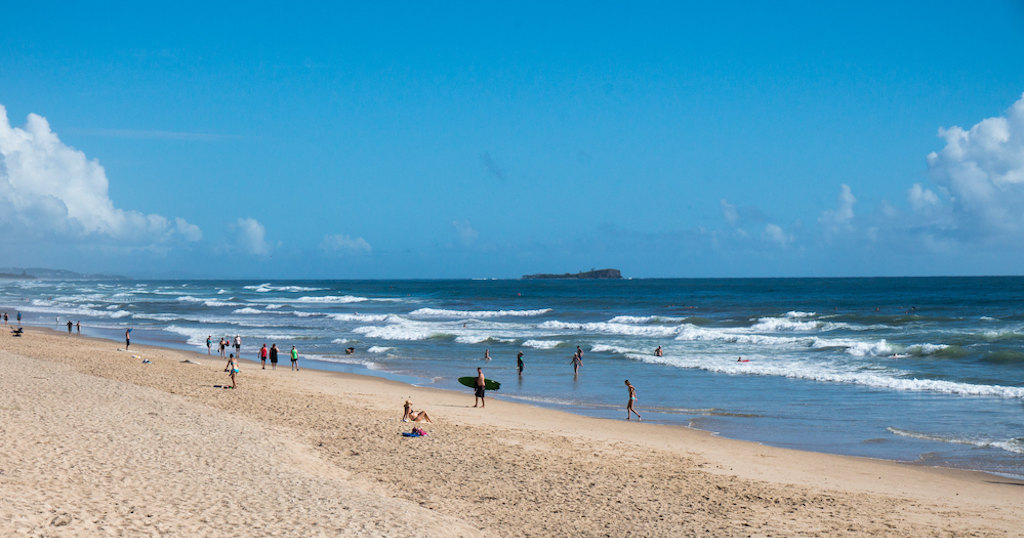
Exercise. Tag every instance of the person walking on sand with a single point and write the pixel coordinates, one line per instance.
(519, 363)
(632, 399)
(78, 327)
(481, 384)
(69, 326)
(127, 338)
(232, 368)
(273, 356)
(209, 344)
(263, 356)
(295, 359)
(577, 361)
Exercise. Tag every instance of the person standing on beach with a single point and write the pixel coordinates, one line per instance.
(238, 346)
(223, 346)
(629, 404)
(519, 363)
(232, 368)
(127, 338)
(481, 385)
(209, 343)
(5, 318)
(69, 326)
(295, 359)
(273, 356)
(78, 327)
(19, 319)
(263, 356)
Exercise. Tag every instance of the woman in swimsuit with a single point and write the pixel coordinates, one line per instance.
(629, 404)
(232, 367)
(415, 416)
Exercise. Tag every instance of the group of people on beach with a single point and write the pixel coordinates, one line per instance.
(480, 386)
(263, 354)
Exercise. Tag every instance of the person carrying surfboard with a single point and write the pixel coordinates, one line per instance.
(480, 384)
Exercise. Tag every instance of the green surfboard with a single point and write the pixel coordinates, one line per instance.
(489, 384)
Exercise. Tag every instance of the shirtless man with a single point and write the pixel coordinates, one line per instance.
(658, 352)
(480, 384)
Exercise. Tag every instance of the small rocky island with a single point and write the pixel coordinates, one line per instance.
(593, 274)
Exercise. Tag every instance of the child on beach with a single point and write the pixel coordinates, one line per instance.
(629, 404)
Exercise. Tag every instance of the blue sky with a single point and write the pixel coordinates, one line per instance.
(299, 140)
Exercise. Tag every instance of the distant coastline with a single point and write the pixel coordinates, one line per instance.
(593, 274)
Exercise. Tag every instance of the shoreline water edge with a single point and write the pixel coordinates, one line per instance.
(858, 380)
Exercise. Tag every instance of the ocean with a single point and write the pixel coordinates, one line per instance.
(925, 370)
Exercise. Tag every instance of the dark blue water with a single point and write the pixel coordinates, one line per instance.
(916, 369)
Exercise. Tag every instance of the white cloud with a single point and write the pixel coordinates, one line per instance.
(344, 243)
(467, 234)
(982, 171)
(729, 212)
(841, 217)
(922, 199)
(50, 189)
(250, 236)
(774, 234)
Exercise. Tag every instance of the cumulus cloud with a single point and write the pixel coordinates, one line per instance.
(841, 217)
(338, 243)
(250, 236)
(49, 189)
(922, 199)
(981, 169)
(467, 234)
(774, 234)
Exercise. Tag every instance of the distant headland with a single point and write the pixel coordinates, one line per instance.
(40, 273)
(592, 274)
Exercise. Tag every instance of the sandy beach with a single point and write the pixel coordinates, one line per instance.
(95, 442)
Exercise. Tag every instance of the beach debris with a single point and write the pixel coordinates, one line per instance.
(189, 361)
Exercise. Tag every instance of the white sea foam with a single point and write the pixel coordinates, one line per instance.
(611, 328)
(340, 341)
(274, 306)
(189, 299)
(365, 318)
(268, 287)
(542, 344)
(637, 320)
(441, 313)
(402, 331)
(248, 311)
(605, 348)
(797, 314)
(332, 299)
(1015, 445)
(379, 349)
(213, 304)
(772, 325)
(832, 373)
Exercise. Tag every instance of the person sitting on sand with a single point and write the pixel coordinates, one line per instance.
(415, 416)
(629, 404)
(232, 368)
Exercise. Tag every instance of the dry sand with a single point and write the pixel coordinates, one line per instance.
(94, 442)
